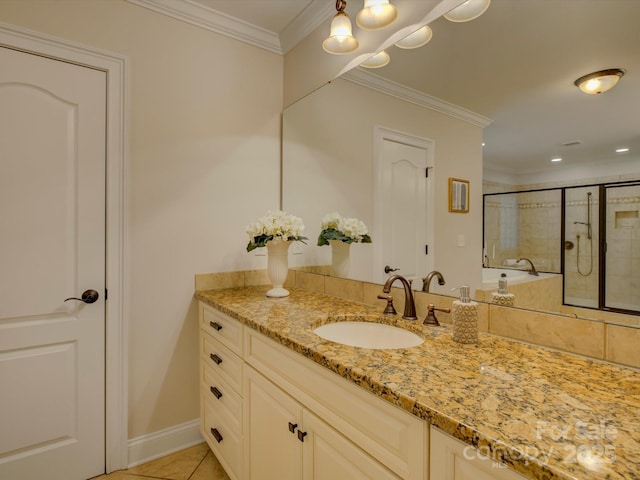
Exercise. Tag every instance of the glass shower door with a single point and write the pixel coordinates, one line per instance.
(581, 246)
(622, 257)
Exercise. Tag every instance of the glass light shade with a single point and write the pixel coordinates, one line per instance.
(376, 14)
(340, 39)
(599, 82)
(416, 39)
(380, 59)
(468, 11)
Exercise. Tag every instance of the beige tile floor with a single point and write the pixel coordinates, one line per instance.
(194, 463)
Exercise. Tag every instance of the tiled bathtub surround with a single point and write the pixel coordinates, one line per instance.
(614, 343)
(504, 396)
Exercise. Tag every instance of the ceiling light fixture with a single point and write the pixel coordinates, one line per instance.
(380, 59)
(376, 14)
(467, 11)
(622, 150)
(341, 38)
(599, 82)
(556, 159)
(417, 39)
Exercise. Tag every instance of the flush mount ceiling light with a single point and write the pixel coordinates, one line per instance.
(556, 160)
(468, 11)
(380, 59)
(622, 150)
(376, 14)
(340, 38)
(599, 82)
(417, 39)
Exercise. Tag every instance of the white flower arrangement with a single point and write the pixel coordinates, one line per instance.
(347, 230)
(275, 226)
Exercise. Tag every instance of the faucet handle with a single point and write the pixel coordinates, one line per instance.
(389, 309)
(431, 315)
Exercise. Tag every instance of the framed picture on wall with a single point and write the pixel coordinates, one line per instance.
(458, 195)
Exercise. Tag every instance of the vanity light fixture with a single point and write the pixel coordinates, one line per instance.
(599, 82)
(622, 150)
(417, 39)
(376, 14)
(340, 38)
(467, 11)
(380, 59)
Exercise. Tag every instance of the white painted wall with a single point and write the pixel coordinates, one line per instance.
(204, 137)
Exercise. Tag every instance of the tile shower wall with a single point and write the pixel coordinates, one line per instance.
(623, 255)
(524, 224)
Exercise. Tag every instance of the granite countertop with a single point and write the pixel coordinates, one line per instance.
(546, 414)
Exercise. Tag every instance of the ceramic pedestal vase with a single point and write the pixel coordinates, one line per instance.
(340, 257)
(278, 267)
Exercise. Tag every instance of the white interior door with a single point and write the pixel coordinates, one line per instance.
(402, 208)
(52, 246)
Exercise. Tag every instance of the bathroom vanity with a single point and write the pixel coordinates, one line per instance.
(279, 401)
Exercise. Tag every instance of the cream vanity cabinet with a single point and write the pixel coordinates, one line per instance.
(221, 384)
(298, 420)
(286, 441)
(452, 459)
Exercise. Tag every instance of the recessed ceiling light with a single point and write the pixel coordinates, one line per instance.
(622, 150)
(557, 159)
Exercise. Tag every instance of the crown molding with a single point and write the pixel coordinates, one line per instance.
(201, 16)
(306, 22)
(209, 19)
(367, 79)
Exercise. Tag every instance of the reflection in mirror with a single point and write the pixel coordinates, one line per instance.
(535, 117)
(353, 150)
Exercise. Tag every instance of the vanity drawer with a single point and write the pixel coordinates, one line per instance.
(218, 393)
(222, 361)
(222, 327)
(225, 440)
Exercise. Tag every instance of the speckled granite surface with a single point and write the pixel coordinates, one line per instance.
(548, 415)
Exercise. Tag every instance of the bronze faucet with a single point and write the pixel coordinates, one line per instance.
(426, 281)
(409, 304)
(532, 270)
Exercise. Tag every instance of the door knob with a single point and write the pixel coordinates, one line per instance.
(88, 296)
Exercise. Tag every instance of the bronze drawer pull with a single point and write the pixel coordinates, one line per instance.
(216, 434)
(216, 325)
(216, 392)
(301, 435)
(215, 358)
(292, 427)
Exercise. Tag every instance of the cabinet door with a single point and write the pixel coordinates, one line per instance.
(452, 459)
(272, 419)
(327, 455)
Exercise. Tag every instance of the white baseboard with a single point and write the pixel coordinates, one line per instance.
(158, 444)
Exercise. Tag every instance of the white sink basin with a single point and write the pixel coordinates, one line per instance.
(368, 335)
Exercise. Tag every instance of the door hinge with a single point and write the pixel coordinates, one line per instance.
(426, 172)
(106, 294)
(426, 249)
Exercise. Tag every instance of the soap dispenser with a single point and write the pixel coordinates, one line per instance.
(465, 317)
(502, 284)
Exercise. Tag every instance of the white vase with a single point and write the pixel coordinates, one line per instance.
(278, 267)
(340, 257)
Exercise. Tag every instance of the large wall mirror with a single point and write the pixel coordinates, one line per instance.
(514, 65)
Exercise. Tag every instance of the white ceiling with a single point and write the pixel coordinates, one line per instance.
(516, 65)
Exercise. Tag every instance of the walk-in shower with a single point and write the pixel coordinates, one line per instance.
(589, 234)
(585, 272)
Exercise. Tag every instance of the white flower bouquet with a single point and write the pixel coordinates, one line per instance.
(275, 226)
(347, 230)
